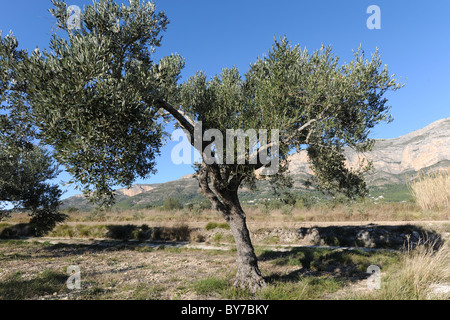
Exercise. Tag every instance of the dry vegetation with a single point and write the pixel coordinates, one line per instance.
(422, 273)
(38, 270)
(355, 212)
(432, 191)
(140, 269)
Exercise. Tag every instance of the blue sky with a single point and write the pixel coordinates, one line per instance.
(414, 40)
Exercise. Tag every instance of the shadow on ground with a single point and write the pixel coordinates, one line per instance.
(340, 264)
(368, 236)
(115, 232)
(371, 236)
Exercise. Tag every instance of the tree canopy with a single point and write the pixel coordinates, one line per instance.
(26, 168)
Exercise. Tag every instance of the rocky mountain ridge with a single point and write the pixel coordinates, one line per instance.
(398, 158)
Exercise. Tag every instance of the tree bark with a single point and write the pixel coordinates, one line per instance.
(248, 275)
(225, 200)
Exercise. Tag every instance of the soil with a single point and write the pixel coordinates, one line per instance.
(113, 269)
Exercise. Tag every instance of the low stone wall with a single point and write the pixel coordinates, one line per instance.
(366, 236)
(370, 236)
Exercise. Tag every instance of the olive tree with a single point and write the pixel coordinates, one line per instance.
(98, 98)
(25, 166)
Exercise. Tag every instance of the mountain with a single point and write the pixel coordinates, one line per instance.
(395, 161)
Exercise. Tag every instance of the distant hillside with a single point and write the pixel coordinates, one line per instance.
(395, 162)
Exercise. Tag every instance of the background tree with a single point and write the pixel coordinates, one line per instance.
(99, 99)
(25, 167)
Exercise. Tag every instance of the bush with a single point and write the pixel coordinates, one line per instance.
(122, 232)
(287, 209)
(305, 200)
(15, 231)
(213, 225)
(71, 210)
(171, 204)
(199, 207)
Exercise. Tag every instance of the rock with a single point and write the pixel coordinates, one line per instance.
(439, 290)
(313, 236)
(364, 236)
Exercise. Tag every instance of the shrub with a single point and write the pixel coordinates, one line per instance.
(287, 209)
(213, 225)
(199, 207)
(15, 231)
(171, 204)
(122, 232)
(196, 236)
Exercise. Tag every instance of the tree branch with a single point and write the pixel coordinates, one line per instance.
(206, 190)
(179, 115)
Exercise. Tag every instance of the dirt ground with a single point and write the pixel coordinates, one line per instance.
(135, 270)
(115, 270)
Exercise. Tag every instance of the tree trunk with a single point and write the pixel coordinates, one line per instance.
(248, 275)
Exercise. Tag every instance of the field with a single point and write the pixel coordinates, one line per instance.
(154, 254)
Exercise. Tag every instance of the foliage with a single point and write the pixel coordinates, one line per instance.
(214, 225)
(26, 166)
(199, 206)
(313, 100)
(171, 204)
(90, 85)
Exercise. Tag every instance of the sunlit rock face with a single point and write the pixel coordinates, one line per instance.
(394, 160)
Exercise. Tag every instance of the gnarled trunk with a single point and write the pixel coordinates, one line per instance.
(226, 201)
(248, 275)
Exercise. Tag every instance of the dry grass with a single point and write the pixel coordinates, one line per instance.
(420, 270)
(356, 212)
(432, 191)
(424, 267)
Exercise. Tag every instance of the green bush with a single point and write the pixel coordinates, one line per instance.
(171, 204)
(305, 200)
(213, 225)
(71, 210)
(287, 209)
(199, 207)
